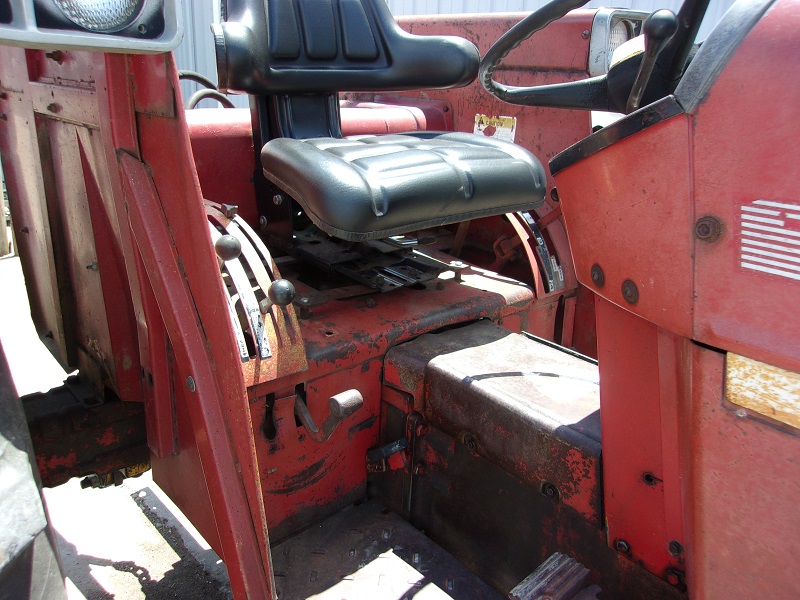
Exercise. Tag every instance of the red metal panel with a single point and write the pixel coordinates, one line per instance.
(628, 210)
(743, 481)
(744, 145)
(637, 485)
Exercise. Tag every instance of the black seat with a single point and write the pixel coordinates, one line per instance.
(299, 53)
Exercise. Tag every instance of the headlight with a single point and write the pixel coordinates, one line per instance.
(100, 15)
(131, 26)
(610, 29)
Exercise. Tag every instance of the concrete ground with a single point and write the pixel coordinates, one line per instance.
(128, 542)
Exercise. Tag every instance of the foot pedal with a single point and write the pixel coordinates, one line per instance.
(558, 578)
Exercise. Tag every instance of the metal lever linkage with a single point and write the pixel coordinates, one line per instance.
(342, 406)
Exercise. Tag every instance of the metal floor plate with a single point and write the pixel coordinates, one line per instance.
(369, 552)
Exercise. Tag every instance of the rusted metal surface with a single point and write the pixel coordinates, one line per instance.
(764, 389)
(500, 527)
(76, 434)
(528, 408)
(366, 552)
(559, 577)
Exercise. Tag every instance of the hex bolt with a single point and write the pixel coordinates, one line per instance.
(190, 384)
(622, 546)
(630, 292)
(708, 229)
(305, 308)
(277, 199)
(675, 548)
(598, 277)
(551, 491)
(585, 34)
(676, 577)
(263, 222)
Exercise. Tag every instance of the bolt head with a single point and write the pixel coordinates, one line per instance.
(708, 229)
(630, 292)
(190, 384)
(622, 546)
(598, 277)
(675, 548)
(277, 199)
(263, 222)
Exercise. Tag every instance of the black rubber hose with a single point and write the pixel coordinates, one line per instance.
(213, 94)
(197, 78)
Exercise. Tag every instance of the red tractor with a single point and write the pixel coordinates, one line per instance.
(407, 326)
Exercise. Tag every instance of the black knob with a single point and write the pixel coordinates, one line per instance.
(228, 247)
(281, 292)
(659, 26)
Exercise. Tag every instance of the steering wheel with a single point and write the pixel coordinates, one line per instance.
(594, 93)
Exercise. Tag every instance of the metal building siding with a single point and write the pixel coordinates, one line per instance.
(196, 52)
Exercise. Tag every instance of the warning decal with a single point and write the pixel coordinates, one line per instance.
(502, 128)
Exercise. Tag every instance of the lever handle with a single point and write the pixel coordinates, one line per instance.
(341, 405)
(281, 292)
(658, 29)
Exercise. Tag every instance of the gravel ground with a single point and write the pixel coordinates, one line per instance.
(126, 542)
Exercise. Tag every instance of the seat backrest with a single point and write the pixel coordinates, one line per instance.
(324, 46)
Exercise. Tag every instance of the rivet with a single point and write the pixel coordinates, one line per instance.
(190, 384)
(585, 34)
(263, 222)
(277, 199)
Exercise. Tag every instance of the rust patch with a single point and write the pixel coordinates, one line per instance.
(767, 390)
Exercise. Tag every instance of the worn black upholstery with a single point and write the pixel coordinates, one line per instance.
(371, 187)
(315, 46)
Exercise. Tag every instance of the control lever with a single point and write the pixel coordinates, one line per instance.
(342, 406)
(281, 292)
(658, 29)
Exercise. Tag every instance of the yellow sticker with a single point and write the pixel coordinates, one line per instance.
(502, 128)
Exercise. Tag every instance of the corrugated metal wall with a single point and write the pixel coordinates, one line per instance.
(196, 52)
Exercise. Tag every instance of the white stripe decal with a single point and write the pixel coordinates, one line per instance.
(771, 271)
(771, 254)
(762, 211)
(775, 238)
(771, 229)
(746, 242)
(764, 220)
(792, 216)
(774, 263)
(777, 204)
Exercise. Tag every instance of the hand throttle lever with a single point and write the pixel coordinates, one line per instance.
(658, 29)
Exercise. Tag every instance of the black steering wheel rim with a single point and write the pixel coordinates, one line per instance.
(591, 93)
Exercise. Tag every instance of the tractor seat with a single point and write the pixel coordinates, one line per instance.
(294, 56)
(372, 187)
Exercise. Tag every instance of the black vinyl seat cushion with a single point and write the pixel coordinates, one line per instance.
(372, 187)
